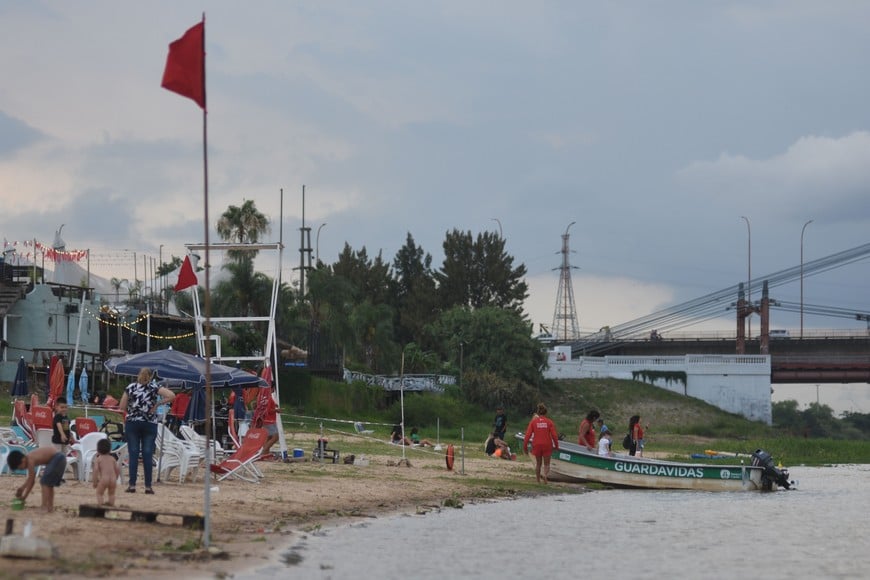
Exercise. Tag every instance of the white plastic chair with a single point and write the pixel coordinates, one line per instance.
(86, 450)
(190, 434)
(361, 429)
(186, 452)
(43, 437)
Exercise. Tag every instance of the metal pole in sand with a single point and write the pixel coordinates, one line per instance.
(462, 449)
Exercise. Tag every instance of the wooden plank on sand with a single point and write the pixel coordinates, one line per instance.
(140, 515)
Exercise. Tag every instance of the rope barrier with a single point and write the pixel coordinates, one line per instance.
(419, 448)
(349, 421)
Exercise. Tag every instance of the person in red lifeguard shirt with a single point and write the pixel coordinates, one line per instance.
(270, 424)
(545, 438)
(586, 434)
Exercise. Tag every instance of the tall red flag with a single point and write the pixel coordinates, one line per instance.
(186, 277)
(185, 65)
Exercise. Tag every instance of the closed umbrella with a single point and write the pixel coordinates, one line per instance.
(56, 380)
(83, 385)
(239, 409)
(19, 386)
(70, 386)
(195, 411)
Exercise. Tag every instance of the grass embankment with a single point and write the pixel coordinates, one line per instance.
(678, 426)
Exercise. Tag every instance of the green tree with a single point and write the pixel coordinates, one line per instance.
(244, 225)
(415, 298)
(370, 279)
(247, 292)
(169, 267)
(490, 340)
(478, 273)
(116, 284)
(331, 298)
(373, 333)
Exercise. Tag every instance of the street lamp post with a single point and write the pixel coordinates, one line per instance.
(803, 229)
(461, 345)
(749, 275)
(161, 282)
(317, 244)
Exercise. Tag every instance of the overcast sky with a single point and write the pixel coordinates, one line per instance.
(652, 125)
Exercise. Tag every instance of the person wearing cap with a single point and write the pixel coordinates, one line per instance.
(605, 442)
(499, 424)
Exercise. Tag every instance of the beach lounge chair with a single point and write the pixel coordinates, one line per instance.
(361, 429)
(241, 463)
(22, 419)
(42, 417)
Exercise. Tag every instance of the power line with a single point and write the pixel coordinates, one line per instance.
(717, 303)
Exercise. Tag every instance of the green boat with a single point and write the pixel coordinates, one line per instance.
(573, 463)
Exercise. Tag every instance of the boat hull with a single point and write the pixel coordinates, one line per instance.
(572, 463)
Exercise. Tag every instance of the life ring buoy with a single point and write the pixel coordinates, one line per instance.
(448, 457)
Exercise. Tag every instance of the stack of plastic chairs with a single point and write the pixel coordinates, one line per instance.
(189, 434)
(85, 451)
(177, 454)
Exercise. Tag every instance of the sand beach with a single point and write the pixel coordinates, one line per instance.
(252, 523)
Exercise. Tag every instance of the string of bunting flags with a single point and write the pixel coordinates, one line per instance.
(47, 251)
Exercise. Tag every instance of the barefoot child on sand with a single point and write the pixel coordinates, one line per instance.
(55, 464)
(106, 472)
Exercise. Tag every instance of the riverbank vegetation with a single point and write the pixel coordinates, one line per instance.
(679, 426)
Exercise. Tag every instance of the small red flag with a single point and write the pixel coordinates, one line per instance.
(186, 277)
(185, 65)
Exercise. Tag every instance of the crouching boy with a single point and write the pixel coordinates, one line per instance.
(55, 464)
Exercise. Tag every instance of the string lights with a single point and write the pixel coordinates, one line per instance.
(131, 326)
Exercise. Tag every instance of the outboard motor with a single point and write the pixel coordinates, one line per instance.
(771, 474)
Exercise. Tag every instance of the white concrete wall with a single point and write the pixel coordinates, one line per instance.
(736, 383)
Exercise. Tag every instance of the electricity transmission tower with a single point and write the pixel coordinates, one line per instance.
(565, 326)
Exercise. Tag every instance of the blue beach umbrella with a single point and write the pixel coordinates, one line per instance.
(169, 364)
(70, 386)
(239, 409)
(19, 387)
(196, 408)
(83, 384)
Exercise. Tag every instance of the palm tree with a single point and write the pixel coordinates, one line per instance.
(116, 283)
(135, 290)
(244, 225)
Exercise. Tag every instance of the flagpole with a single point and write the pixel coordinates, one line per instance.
(185, 75)
(206, 535)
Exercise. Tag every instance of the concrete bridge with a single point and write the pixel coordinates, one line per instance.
(820, 356)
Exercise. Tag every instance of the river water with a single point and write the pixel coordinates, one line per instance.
(819, 530)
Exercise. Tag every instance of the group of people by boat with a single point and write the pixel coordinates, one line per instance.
(544, 438)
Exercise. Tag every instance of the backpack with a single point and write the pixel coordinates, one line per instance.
(626, 442)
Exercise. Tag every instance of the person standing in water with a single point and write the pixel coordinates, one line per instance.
(546, 439)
